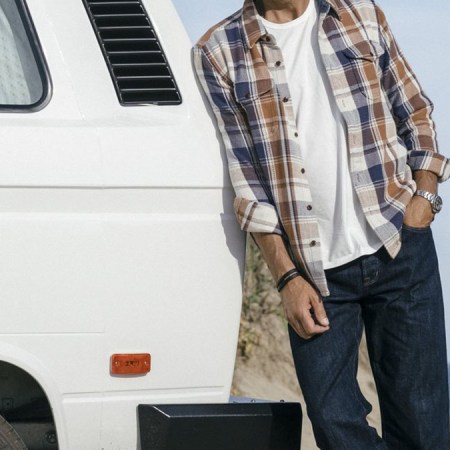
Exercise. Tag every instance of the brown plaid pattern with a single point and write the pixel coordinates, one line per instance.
(388, 117)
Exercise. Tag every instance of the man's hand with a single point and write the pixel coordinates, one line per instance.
(302, 303)
(419, 213)
(304, 308)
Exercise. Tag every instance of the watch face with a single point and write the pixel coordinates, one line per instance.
(437, 204)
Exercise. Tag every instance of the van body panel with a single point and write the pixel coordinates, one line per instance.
(86, 138)
(117, 235)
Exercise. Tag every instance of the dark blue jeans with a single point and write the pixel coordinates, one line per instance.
(399, 302)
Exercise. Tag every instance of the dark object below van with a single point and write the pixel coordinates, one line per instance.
(232, 426)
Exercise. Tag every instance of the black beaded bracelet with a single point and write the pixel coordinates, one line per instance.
(288, 276)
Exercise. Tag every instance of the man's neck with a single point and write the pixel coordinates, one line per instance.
(281, 11)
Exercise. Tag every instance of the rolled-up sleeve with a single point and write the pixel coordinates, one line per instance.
(253, 209)
(411, 108)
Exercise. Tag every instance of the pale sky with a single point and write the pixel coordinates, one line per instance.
(422, 31)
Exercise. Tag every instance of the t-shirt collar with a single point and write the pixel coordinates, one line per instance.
(253, 28)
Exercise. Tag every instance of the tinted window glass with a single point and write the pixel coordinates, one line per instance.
(21, 83)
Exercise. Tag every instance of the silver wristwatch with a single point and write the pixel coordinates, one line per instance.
(434, 199)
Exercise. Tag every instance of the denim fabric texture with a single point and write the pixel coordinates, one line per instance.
(399, 303)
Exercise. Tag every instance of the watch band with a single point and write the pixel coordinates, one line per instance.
(434, 199)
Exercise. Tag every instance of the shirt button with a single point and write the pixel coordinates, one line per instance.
(309, 207)
(303, 171)
(278, 64)
(296, 134)
(268, 39)
(247, 95)
(313, 243)
(285, 99)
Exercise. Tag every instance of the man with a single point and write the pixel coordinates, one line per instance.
(333, 156)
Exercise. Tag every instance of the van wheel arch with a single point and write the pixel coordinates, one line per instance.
(25, 409)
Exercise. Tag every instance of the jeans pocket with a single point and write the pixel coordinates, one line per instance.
(416, 229)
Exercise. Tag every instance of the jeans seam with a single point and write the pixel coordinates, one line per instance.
(420, 370)
(356, 387)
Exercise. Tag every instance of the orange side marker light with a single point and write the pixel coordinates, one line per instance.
(130, 364)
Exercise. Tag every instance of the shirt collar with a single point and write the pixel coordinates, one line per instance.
(254, 29)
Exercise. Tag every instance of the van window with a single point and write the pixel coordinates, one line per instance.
(21, 81)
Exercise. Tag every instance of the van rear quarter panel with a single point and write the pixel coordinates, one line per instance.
(116, 236)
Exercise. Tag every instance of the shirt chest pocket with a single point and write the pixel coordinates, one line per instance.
(362, 68)
(259, 101)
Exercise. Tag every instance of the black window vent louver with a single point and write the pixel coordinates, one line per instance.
(136, 61)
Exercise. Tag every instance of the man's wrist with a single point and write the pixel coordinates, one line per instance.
(426, 180)
(434, 200)
(274, 253)
(286, 278)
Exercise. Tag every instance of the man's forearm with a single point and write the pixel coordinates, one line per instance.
(302, 303)
(274, 253)
(426, 180)
(419, 212)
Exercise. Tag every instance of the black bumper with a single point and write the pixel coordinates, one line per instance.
(232, 426)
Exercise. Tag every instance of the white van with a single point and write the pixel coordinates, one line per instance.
(120, 259)
(121, 262)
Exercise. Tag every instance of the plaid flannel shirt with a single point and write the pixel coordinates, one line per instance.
(389, 127)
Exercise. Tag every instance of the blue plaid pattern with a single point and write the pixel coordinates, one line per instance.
(388, 116)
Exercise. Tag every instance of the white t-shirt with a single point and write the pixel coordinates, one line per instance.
(344, 232)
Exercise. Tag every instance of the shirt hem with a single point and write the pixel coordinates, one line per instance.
(363, 251)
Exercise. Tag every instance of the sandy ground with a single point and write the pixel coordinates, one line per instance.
(264, 367)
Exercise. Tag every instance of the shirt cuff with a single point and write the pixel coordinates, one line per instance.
(256, 217)
(430, 161)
